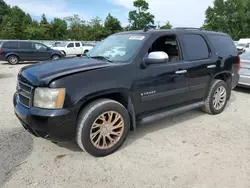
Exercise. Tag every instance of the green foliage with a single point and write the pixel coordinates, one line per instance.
(231, 16)
(140, 18)
(166, 26)
(112, 25)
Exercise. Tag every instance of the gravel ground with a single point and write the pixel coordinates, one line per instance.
(191, 150)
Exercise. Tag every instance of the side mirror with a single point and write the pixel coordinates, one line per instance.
(156, 58)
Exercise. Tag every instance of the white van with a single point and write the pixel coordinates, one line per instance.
(244, 44)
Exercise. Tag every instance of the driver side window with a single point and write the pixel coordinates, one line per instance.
(167, 44)
(40, 47)
(70, 45)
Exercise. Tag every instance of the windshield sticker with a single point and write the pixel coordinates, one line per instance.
(136, 38)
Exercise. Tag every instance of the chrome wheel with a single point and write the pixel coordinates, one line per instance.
(107, 130)
(55, 57)
(13, 60)
(219, 98)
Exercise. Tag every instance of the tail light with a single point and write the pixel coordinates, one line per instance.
(0, 51)
(238, 64)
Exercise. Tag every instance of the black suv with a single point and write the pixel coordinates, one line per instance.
(98, 98)
(15, 51)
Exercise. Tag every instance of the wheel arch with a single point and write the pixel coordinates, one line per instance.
(225, 76)
(15, 54)
(122, 96)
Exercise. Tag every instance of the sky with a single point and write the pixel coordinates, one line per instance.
(180, 13)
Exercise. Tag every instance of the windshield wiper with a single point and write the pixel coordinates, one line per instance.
(101, 57)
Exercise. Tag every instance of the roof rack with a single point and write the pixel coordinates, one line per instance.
(188, 28)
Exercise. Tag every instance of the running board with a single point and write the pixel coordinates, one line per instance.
(163, 115)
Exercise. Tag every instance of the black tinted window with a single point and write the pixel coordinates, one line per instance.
(223, 45)
(195, 47)
(70, 45)
(11, 45)
(78, 45)
(25, 45)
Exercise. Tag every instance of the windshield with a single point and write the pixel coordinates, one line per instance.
(118, 47)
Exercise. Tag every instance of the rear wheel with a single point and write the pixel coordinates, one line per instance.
(64, 53)
(102, 127)
(217, 98)
(86, 51)
(12, 59)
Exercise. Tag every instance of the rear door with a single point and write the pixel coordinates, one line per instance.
(198, 55)
(78, 48)
(26, 51)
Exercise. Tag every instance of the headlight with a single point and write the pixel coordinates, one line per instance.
(49, 98)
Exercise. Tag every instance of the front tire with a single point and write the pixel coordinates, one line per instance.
(102, 127)
(13, 59)
(55, 57)
(217, 98)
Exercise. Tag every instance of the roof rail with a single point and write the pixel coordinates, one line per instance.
(188, 28)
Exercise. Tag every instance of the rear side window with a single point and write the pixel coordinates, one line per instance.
(11, 45)
(25, 45)
(223, 45)
(195, 47)
(78, 45)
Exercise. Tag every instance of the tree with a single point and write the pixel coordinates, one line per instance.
(166, 26)
(140, 18)
(229, 16)
(112, 25)
(75, 26)
(14, 24)
(44, 20)
(98, 31)
(58, 29)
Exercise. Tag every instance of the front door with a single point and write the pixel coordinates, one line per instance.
(42, 52)
(70, 49)
(163, 85)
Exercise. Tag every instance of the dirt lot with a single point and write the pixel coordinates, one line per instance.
(191, 150)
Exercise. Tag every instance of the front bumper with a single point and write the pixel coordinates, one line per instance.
(244, 81)
(54, 125)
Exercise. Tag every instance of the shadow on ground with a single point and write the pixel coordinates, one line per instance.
(143, 130)
(242, 89)
(15, 146)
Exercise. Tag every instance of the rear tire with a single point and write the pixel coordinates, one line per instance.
(78, 55)
(217, 98)
(102, 127)
(86, 51)
(13, 59)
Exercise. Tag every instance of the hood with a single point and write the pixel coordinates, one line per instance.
(41, 74)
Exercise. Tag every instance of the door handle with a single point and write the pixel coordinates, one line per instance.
(211, 66)
(181, 72)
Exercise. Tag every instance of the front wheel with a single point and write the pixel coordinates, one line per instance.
(102, 127)
(217, 98)
(55, 57)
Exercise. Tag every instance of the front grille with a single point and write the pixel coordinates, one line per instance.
(24, 93)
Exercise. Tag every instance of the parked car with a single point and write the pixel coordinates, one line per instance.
(96, 99)
(14, 51)
(71, 48)
(87, 47)
(244, 80)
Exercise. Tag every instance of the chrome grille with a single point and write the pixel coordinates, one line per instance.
(24, 93)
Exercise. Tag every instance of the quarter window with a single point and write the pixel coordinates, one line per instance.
(195, 47)
(10, 45)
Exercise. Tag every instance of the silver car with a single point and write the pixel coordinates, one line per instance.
(244, 80)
